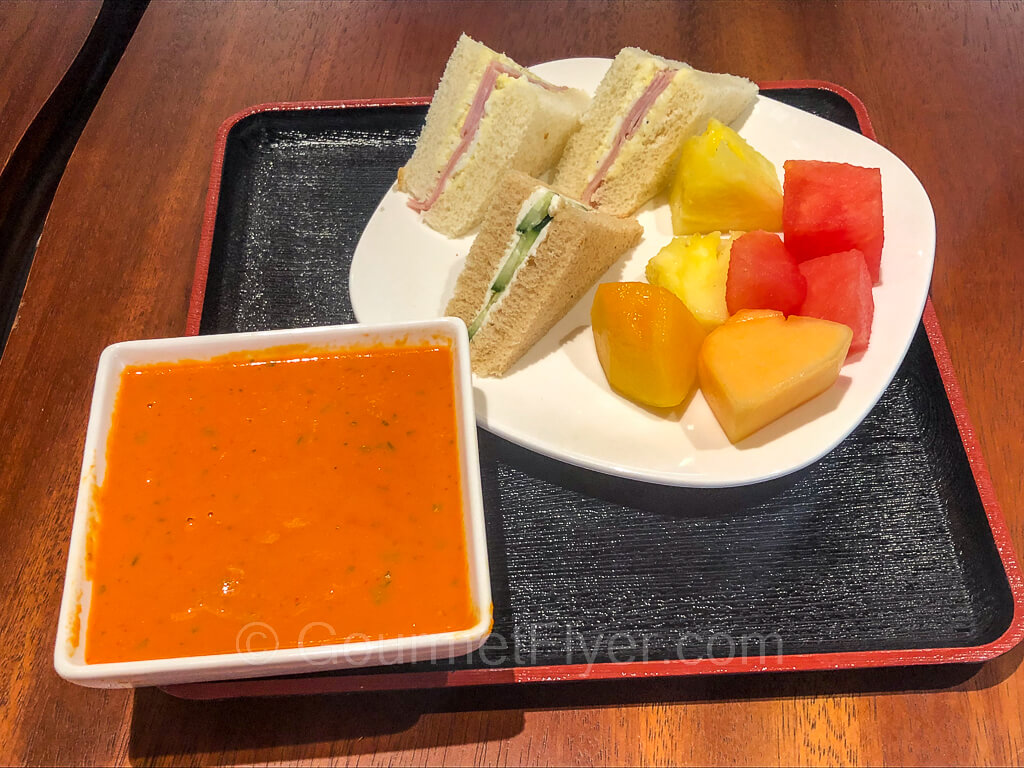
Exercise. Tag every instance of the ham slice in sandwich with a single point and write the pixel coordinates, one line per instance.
(487, 116)
(630, 136)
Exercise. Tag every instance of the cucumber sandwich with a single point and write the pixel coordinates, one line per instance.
(536, 254)
(488, 115)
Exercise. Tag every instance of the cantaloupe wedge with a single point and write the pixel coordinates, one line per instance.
(761, 365)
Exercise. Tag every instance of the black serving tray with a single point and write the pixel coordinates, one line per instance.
(890, 550)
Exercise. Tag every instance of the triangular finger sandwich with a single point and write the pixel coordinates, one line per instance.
(631, 134)
(488, 115)
(536, 254)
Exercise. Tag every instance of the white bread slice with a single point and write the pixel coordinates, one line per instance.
(525, 127)
(647, 160)
(579, 247)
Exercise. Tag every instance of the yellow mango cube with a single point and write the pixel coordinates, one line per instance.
(695, 268)
(761, 365)
(647, 342)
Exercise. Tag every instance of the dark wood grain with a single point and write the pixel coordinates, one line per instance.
(943, 84)
(42, 60)
(38, 41)
(29, 179)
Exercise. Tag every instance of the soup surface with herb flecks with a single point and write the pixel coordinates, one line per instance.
(282, 498)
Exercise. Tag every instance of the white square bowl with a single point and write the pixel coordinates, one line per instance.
(69, 652)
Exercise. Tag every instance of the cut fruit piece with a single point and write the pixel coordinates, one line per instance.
(724, 183)
(695, 269)
(757, 369)
(833, 207)
(647, 342)
(763, 275)
(754, 314)
(839, 289)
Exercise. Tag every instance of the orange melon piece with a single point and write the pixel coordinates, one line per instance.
(647, 342)
(758, 367)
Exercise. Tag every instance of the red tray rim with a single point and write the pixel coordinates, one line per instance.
(378, 681)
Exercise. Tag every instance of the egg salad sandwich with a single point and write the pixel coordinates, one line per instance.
(488, 115)
(535, 256)
(631, 135)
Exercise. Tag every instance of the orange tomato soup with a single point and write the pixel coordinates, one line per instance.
(315, 492)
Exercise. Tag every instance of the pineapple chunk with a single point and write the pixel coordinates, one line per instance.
(723, 183)
(695, 269)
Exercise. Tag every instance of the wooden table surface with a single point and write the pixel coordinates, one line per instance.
(943, 85)
(38, 41)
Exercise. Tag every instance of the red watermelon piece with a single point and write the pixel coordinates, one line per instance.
(839, 289)
(833, 207)
(763, 275)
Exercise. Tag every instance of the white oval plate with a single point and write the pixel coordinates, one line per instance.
(556, 400)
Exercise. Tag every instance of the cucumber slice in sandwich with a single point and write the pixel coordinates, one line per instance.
(536, 214)
(528, 231)
(518, 255)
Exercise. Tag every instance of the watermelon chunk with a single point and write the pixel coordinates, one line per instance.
(839, 289)
(763, 275)
(833, 207)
